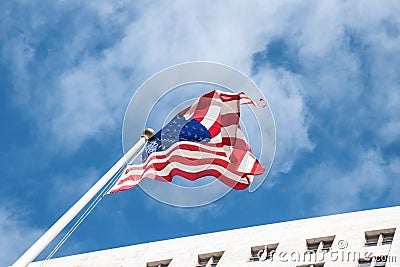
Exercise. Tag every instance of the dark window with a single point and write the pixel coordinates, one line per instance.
(372, 240)
(380, 264)
(379, 237)
(321, 244)
(321, 264)
(162, 263)
(370, 263)
(209, 259)
(263, 253)
(387, 238)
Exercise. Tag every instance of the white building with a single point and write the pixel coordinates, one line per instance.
(366, 238)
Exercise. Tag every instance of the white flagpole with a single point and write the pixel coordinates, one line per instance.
(54, 230)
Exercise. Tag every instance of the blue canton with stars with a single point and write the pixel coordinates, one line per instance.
(178, 129)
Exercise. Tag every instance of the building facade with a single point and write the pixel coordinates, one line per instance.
(366, 239)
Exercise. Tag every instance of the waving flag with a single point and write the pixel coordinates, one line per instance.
(205, 139)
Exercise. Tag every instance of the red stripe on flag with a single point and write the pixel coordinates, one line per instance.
(191, 176)
(221, 157)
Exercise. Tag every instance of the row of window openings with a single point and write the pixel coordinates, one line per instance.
(204, 260)
(317, 245)
(371, 263)
(213, 261)
(361, 263)
(324, 244)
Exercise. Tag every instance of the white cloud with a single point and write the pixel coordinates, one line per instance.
(337, 190)
(89, 98)
(283, 91)
(75, 65)
(92, 100)
(15, 234)
(348, 53)
(64, 190)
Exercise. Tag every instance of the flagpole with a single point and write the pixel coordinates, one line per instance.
(57, 227)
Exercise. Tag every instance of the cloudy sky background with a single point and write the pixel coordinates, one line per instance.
(330, 71)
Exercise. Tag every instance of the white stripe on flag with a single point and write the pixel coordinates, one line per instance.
(212, 114)
(194, 169)
(247, 163)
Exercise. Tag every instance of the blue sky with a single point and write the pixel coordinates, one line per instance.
(330, 71)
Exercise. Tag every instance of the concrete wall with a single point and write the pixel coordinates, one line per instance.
(348, 229)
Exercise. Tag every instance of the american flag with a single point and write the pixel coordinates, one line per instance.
(204, 139)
